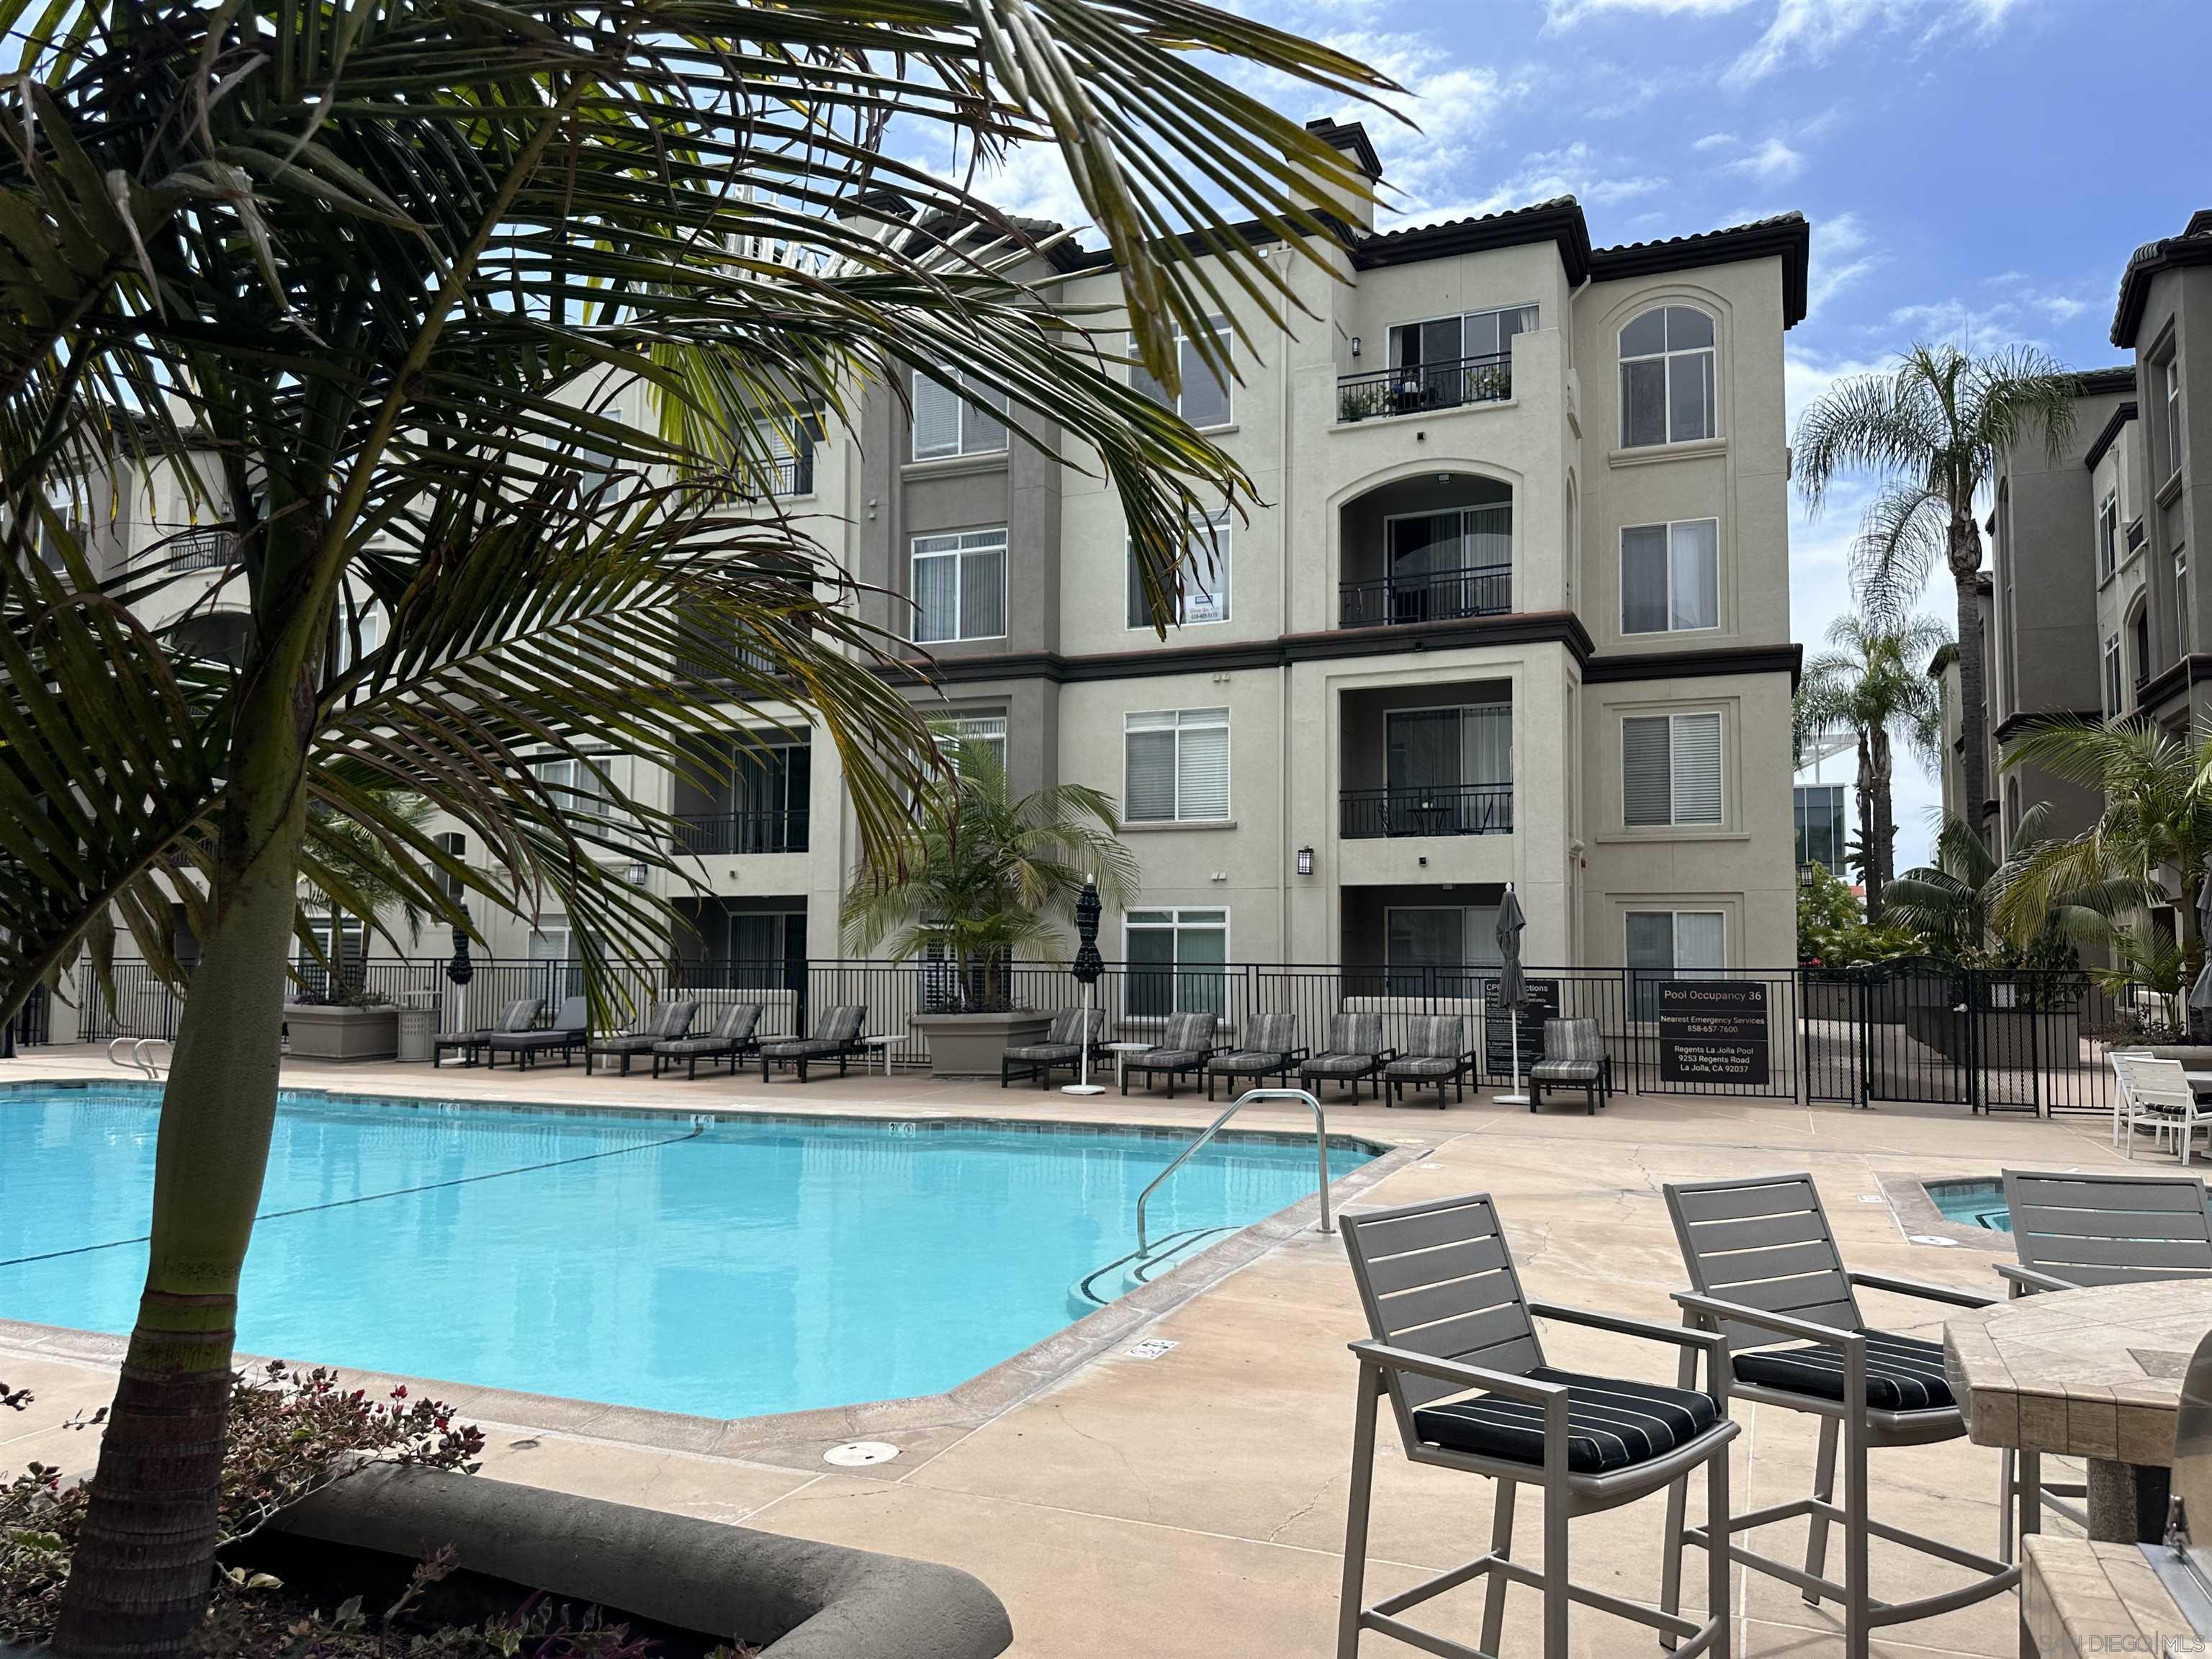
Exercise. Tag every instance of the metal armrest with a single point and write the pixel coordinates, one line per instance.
(1511, 1386)
(1682, 1336)
(1781, 1324)
(1384, 1056)
(1926, 1292)
(1296, 1055)
(2025, 1282)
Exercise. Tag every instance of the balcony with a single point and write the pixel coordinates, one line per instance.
(793, 474)
(1422, 388)
(201, 550)
(1478, 590)
(1462, 809)
(728, 835)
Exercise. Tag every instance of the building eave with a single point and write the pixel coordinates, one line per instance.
(2192, 247)
(2110, 435)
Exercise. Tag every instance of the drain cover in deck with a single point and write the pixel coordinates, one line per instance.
(859, 1454)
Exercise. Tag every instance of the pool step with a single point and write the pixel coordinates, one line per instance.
(1126, 1273)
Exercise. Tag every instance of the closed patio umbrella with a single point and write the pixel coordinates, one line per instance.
(1512, 987)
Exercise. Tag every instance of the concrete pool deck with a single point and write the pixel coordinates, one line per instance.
(1192, 1504)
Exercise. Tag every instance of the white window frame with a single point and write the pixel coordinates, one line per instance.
(1667, 356)
(1839, 807)
(1669, 526)
(959, 729)
(1186, 364)
(2115, 678)
(1396, 333)
(1672, 718)
(980, 406)
(1646, 984)
(1181, 919)
(1464, 911)
(959, 551)
(1186, 720)
(2181, 598)
(2108, 536)
(1222, 531)
(2173, 434)
(576, 781)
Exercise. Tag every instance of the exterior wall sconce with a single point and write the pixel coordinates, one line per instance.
(1355, 347)
(1305, 860)
(1808, 875)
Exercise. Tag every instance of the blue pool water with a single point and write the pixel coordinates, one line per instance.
(1973, 1203)
(762, 1266)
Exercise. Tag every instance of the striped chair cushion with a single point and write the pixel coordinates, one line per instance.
(1576, 1041)
(1052, 1051)
(1421, 1066)
(1276, 1034)
(1064, 1024)
(673, 1020)
(740, 1023)
(1355, 1034)
(1610, 1425)
(1903, 1374)
(1435, 1037)
(1248, 1059)
(1187, 1031)
(842, 1023)
(521, 1014)
(1565, 1071)
(1337, 1066)
(1162, 1058)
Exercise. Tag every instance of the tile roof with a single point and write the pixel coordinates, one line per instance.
(2192, 247)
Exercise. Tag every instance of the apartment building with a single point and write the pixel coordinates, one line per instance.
(1516, 608)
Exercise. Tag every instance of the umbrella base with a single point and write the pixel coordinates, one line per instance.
(1083, 1088)
(1510, 1100)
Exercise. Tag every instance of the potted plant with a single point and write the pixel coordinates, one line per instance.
(980, 878)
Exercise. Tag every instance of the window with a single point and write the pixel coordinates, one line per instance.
(1204, 401)
(2113, 703)
(1670, 769)
(1671, 577)
(349, 954)
(1450, 339)
(1820, 838)
(370, 622)
(1667, 378)
(1176, 767)
(455, 846)
(977, 731)
(2140, 627)
(1454, 563)
(2173, 415)
(1665, 944)
(552, 947)
(2108, 536)
(575, 786)
(1203, 578)
(2181, 597)
(1175, 961)
(1425, 947)
(960, 586)
(956, 416)
(786, 444)
(1449, 770)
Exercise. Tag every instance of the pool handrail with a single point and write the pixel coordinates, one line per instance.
(1320, 1151)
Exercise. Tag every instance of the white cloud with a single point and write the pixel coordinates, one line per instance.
(1773, 162)
(1562, 13)
(1713, 140)
(1807, 31)
(1841, 255)
(1576, 170)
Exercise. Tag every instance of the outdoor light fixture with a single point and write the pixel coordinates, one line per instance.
(635, 875)
(1355, 347)
(1305, 860)
(1808, 875)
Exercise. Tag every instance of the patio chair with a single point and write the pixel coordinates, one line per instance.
(2073, 1230)
(570, 1030)
(1765, 1270)
(2156, 1093)
(518, 1015)
(1574, 1058)
(1455, 1350)
(1435, 1052)
(1185, 1045)
(1072, 1030)
(666, 1021)
(836, 1037)
(1355, 1051)
(734, 1036)
(1270, 1048)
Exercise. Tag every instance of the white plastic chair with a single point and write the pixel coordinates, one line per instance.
(2156, 1092)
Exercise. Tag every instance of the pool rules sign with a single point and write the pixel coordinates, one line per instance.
(1713, 1032)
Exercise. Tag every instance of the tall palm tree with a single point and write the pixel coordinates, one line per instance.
(1933, 429)
(356, 274)
(1874, 684)
(2147, 846)
(983, 875)
(1953, 903)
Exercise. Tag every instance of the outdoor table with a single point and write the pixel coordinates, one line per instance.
(2095, 1374)
(1121, 1051)
(883, 1043)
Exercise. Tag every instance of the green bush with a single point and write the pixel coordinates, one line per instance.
(1833, 931)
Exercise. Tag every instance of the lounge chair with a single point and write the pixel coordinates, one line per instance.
(734, 1036)
(1185, 1046)
(1456, 1350)
(518, 1015)
(1270, 1050)
(570, 1029)
(1070, 1031)
(2073, 1230)
(1765, 1269)
(1355, 1051)
(1435, 1053)
(1574, 1058)
(666, 1022)
(836, 1037)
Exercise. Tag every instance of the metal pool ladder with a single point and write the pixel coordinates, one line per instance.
(1320, 1151)
(136, 1059)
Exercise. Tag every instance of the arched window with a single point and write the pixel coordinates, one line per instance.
(1667, 378)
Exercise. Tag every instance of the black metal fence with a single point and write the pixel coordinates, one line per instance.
(1481, 590)
(1916, 1031)
(1416, 387)
(1458, 809)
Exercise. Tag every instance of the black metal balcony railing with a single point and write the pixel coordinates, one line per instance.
(793, 474)
(1480, 590)
(1453, 809)
(722, 834)
(202, 549)
(1417, 387)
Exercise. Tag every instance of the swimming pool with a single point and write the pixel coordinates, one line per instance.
(741, 1266)
(1972, 1203)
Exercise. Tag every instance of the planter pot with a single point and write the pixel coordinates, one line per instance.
(975, 1045)
(694, 1583)
(342, 1033)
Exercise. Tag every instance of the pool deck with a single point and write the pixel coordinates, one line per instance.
(1192, 1503)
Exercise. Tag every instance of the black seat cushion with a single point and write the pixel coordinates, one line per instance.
(1903, 1374)
(1610, 1423)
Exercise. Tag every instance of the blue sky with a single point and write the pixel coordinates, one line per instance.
(1974, 170)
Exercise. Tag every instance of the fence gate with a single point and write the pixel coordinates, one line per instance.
(1917, 1036)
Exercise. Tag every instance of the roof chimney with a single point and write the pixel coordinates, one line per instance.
(1357, 209)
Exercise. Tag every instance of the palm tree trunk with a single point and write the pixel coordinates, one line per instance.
(1882, 856)
(1865, 793)
(1966, 550)
(139, 1583)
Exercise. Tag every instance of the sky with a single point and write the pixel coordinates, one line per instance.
(1975, 171)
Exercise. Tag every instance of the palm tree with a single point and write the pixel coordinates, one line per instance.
(363, 887)
(357, 277)
(1952, 904)
(981, 876)
(2149, 844)
(1933, 429)
(1874, 684)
